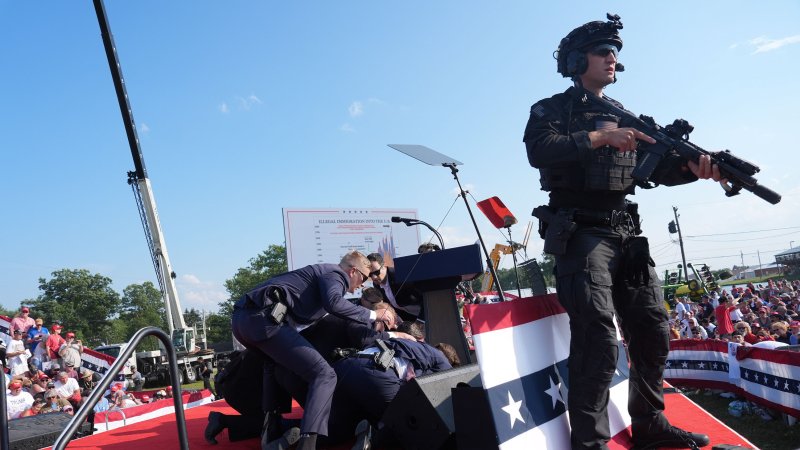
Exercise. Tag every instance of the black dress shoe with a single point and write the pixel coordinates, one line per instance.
(289, 438)
(363, 436)
(672, 437)
(214, 427)
(271, 428)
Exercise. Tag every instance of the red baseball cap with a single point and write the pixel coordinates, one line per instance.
(16, 384)
(795, 324)
(25, 309)
(145, 398)
(70, 334)
(57, 327)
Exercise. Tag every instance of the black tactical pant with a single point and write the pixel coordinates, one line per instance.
(592, 288)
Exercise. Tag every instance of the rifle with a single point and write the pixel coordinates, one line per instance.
(737, 171)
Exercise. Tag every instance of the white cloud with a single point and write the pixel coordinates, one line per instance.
(223, 108)
(248, 102)
(452, 236)
(200, 295)
(356, 109)
(144, 128)
(764, 44)
(346, 127)
(467, 187)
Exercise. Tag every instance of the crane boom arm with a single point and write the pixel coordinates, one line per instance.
(144, 196)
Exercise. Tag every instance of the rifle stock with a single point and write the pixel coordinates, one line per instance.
(737, 171)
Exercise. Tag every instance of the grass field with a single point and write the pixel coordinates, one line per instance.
(767, 435)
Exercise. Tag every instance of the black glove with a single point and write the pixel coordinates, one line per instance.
(637, 261)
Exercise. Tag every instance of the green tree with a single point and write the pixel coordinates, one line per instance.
(547, 264)
(192, 317)
(116, 333)
(722, 274)
(218, 328)
(142, 305)
(82, 301)
(266, 265)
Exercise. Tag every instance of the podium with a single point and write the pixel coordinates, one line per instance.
(435, 275)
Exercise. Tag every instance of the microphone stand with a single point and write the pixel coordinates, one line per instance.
(513, 246)
(421, 222)
(463, 194)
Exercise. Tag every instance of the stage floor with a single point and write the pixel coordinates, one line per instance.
(161, 432)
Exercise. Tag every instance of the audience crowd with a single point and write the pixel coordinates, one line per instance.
(764, 315)
(44, 375)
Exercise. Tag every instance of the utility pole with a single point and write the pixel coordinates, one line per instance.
(680, 240)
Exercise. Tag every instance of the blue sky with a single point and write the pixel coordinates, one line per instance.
(247, 107)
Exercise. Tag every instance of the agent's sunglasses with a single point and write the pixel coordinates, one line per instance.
(603, 50)
(364, 277)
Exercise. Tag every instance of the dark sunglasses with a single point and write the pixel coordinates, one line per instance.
(364, 278)
(604, 50)
(376, 273)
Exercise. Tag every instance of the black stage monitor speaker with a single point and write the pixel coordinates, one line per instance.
(34, 432)
(421, 415)
(535, 275)
(473, 417)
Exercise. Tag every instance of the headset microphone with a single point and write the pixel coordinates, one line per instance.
(619, 67)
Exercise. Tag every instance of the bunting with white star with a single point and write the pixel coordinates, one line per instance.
(5, 327)
(767, 376)
(522, 348)
(700, 362)
(771, 377)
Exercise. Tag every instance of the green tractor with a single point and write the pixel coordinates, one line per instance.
(676, 286)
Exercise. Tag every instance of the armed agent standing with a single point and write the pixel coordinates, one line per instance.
(603, 267)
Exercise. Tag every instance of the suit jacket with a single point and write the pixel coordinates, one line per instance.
(409, 299)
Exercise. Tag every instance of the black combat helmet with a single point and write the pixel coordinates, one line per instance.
(571, 53)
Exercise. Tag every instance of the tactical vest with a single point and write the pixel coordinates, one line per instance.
(605, 170)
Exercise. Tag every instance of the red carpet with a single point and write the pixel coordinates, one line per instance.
(161, 433)
(684, 413)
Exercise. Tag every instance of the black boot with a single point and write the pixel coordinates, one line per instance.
(214, 427)
(271, 429)
(672, 437)
(308, 441)
(363, 436)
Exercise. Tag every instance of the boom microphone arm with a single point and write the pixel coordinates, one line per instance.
(410, 222)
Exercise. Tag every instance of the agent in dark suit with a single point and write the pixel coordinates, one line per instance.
(269, 320)
(405, 299)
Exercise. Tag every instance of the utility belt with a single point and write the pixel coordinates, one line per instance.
(556, 226)
(383, 359)
(602, 218)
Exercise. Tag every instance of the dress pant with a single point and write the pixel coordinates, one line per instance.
(284, 346)
(364, 392)
(592, 289)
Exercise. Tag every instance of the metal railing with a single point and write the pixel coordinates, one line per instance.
(4, 442)
(116, 409)
(105, 383)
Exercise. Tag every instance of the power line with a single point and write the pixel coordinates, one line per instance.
(742, 232)
(749, 239)
(723, 256)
